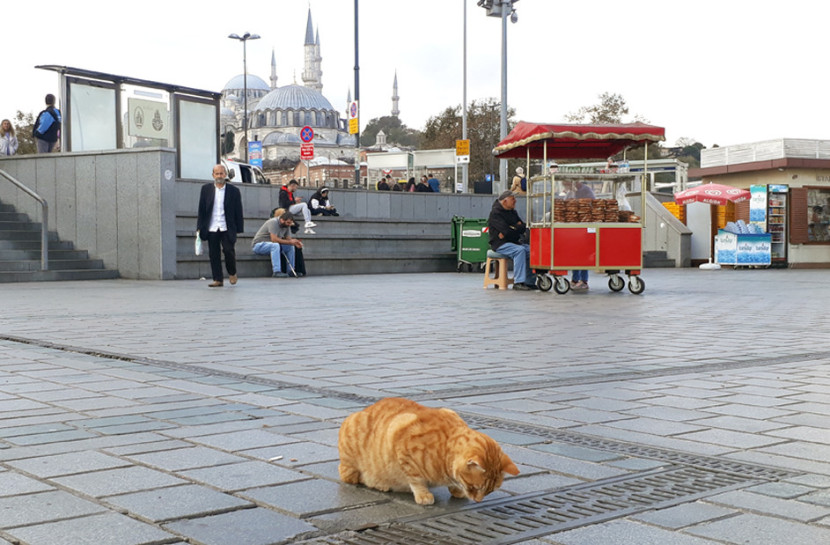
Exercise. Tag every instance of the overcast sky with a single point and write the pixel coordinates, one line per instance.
(719, 71)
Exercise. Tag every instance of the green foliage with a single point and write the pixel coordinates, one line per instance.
(611, 109)
(23, 126)
(396, 132)
(483, 128)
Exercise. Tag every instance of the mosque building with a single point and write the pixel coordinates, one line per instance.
(276, 114)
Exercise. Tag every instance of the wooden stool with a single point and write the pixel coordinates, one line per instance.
(497, 264)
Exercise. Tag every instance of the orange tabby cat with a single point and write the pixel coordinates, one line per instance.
(397, 444)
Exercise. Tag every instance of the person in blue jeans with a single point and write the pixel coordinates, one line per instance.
(579, 280)
(507, 235)
(274, 238)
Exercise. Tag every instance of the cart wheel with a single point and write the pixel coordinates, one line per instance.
(615, 282)
(561, 285)
(459, 267)
(469, 267)
(543, 282)
(636, 285)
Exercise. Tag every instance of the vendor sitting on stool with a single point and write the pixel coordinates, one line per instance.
(507, 233)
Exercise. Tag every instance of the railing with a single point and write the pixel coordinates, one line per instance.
(44, 224)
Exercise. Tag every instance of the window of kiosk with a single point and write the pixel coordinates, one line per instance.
(818, 215)
(93, 123)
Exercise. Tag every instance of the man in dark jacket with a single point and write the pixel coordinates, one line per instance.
(219, 220)
(47, 126)
(506, 235)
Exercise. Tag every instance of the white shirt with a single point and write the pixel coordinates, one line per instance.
(217, 218)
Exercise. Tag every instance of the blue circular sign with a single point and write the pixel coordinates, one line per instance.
(306, 134)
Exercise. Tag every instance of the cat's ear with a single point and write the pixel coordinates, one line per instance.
(507, 465)
(475, 464)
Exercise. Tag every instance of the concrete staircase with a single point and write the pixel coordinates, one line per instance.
(20, 247)
(341, 245)
(657, 259)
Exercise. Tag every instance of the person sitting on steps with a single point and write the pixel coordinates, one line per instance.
(293, 205)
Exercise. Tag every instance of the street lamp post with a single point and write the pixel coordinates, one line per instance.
(244, 39)
(502, 9)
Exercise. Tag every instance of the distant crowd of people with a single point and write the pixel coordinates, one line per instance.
(427, 184)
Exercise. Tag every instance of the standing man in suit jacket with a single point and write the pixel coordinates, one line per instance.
(219, 220)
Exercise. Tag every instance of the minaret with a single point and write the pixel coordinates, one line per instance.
(273, 70)
(311, 72)
(395, 98)
(348, 101)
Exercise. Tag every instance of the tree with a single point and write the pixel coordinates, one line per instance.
(483, 129)
(23, 126)
(611, 109)
(396, 132)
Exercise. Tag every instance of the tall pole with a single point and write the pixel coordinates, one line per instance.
(357, 99)
(506, 6)
(465, 180)
(245, 94)
(244, 39)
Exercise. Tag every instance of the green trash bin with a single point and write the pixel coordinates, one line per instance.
(470, 241)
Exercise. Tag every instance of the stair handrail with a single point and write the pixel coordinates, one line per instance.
(44, 224)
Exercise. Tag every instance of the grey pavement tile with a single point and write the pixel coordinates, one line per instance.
(118, 481)
(92, 403)
(326, 436)
(13, 405)
(811, 480)
(296, 454)
(186, 501)
(307, 498)
(747, 411)
(655, 426)
(753, 529)
(802, 419)
(512, 438)
(729, 438)
(186, 458)
(143, 448)
(366, 517)
(624, 532)
(537, 482)
(807, 465)
(804, 433)
(587, 416)
(684, 515)
(784, 508)
(6, 433)
(12, 483)
(233, 477)
(577, 452)
(637, 464)
(736, 423)
(244, 527)
(67, 464)
(781, 490)
(819, 497)
(810, 451)
(105, 529)
(43, 507)
(243, 440)
(51, 437)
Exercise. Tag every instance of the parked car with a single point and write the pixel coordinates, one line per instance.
(245, 173)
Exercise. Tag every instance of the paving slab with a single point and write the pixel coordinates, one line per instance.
(103, 529)
(245, 527)
(176, 502)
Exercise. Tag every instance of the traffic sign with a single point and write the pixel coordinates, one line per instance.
(353, 109)
(306, 134)
(462, 147)
(354, 127)
(462, 159)
(307, 151)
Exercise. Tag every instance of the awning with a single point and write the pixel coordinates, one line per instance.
(575, 141)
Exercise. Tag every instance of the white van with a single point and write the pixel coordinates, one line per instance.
(245, 173)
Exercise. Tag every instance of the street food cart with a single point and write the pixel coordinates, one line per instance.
(582, 234)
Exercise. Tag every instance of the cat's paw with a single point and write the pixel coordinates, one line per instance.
(349, 474)
(457, 492)
(424, 498)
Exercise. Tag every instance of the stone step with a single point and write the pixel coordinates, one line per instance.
(655, 259)
(251, 266)
(26, 235)
(19, 225)
(34, 253)
(55, 276)
(54, 264)
(35, 245)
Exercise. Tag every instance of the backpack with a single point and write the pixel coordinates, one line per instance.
(51, 134)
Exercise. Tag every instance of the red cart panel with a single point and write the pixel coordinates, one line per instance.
(620, 248)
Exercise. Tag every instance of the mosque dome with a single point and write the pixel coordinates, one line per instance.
(278, 137)
(254, 83)
(294, 97)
